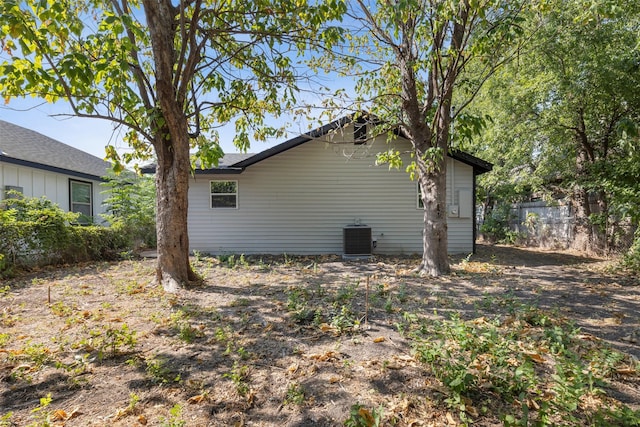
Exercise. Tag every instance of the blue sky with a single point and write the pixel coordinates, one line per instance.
(93, 135)
(90, 135)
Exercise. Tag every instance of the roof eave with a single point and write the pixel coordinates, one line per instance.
(294, 142)
(479, 166)
(49, 168)
(147, 170)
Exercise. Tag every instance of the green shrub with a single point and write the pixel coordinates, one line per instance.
(131, 207)
(32, 231)
(35, 231)
(95, 242)
(496, 225)
(632, 257)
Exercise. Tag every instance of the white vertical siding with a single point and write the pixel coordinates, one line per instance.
(54, 186)
(299, 201)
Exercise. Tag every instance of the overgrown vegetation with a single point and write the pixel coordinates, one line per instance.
(35, 231)
(279, 338)
(542, 369)
(131, 206)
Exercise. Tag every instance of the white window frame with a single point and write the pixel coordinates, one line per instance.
(73, 203)
(211, 194)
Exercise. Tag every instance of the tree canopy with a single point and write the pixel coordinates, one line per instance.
(565, 115)
(170, 74)
(411, 59)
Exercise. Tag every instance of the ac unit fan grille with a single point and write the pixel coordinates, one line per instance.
(357, 240)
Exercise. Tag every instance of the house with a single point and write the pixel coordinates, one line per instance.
(322, 193)
(36, 165)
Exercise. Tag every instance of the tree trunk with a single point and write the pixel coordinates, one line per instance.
(171, 144)
(172, 187)
(582, 230)
(435, 260)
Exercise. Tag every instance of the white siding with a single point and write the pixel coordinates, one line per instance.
(54, 186)
(298, 202)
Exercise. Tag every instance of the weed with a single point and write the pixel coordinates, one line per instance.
(182, 326)
(344, 320)
(75, 369)
(480, 359)
(4, 291)
(403, 293)
(298, 304)
(231, 261)
(175, 417)
(4, 339)
(346, 293)
(5, 420)
(388, 305)
(295, 394)
(60, 309)
(130, 287)
(240, 302)
(116, 339)
(41, 413)
(8, 319)
(133, 401)
(159, 372)
(359, 416)
(239, 376)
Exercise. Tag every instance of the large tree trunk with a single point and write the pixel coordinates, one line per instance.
(171, 144)
(172, 187)
(582, 231)
(435, 260)
(582, 227)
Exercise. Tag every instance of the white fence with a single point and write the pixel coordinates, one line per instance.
(552, 226)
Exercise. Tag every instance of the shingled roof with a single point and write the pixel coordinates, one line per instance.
(26, 147)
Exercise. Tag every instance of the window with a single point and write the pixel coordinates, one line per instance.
(81, 200)
(224, 194)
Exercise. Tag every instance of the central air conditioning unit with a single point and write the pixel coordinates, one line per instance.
(356, 240)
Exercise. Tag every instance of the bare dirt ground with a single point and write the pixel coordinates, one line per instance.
(253, 344)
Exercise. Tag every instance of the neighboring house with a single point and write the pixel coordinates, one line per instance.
(322, 193)
(36, 165)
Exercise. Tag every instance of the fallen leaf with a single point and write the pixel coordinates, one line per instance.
(334, 380)
(538, 358)
(60, 415)
(323, 357)
(450, 419)
(197, 399)
(142, 420)
(366, 416)
(293, 368)
(379, 339)
(325, 327)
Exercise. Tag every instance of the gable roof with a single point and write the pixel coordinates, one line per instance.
(237, 163)
(25, 147)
